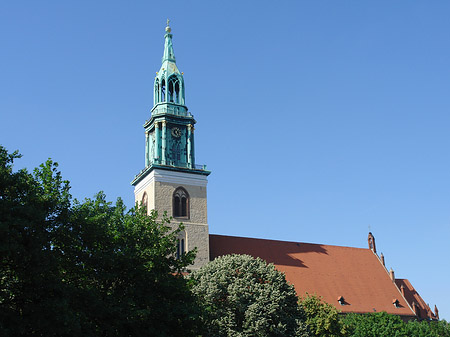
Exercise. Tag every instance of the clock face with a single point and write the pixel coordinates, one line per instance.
(176, 132)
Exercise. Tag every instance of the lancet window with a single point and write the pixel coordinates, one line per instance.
(174, 89)
(157, 91)
(144, 202)
(181, 203)
(163, 90)
(181, 245)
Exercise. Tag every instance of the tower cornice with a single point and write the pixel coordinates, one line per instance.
(174, 109)
(141, 175)
(172, 119)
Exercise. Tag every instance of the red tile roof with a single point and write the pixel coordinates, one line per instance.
(356, 274)
(413, 297)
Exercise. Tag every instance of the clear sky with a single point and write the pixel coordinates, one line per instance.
(317, 119)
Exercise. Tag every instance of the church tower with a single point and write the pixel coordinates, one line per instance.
(171, 181)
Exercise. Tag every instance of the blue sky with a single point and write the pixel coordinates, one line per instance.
(317, 119)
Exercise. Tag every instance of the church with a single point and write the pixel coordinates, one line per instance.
(351, 279)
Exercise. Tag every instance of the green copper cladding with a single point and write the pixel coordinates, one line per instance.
(169, 133)
(169, 55)
(169, 82)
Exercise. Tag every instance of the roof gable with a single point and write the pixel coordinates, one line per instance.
(414, 299)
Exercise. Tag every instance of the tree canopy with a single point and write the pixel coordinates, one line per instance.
(85, 268)
(244, 296)
(381, 324)
(322, 318)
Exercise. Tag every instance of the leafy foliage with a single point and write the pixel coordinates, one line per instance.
(322, 318)
(243, 296)
(374, 324)
(425, 329)
(32, 207)
(385, 325)
(85, 268)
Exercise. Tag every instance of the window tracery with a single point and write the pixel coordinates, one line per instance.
(180, 203)
(174, 89)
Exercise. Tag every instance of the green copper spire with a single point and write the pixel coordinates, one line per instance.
(169, 82)
(170, 130)
(169, 55)
(169, 133)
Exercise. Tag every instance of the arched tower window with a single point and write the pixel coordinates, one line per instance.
(177, 91)
(144, 202)
(181, 245)
(163, 90)
(156, 91)
(180, 203)
(174, 89)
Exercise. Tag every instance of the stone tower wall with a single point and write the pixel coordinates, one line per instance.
(160, 186)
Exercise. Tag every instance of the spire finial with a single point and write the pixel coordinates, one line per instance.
(168, 48)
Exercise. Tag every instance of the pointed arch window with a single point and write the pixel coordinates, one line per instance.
(157, 91)
(180, 203)
(181, 245)
(174, 89)
(144, 201)
(180, 248)
(163, 90)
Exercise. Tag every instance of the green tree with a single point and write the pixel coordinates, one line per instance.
(128, 272)
(322, 318)
(385, 325)
(31, 208)
(427, 329)
(243, 296)
(86, 268)
(378, 324)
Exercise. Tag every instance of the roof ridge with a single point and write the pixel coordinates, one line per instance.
(296, 242)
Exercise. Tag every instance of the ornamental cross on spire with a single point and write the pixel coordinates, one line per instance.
(168, 27)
